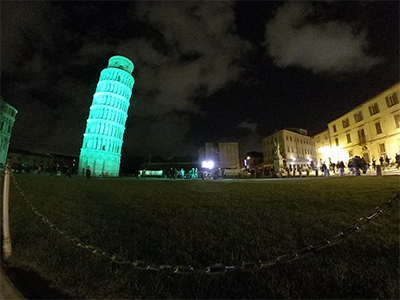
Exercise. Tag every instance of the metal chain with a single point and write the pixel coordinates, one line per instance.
(218, 268)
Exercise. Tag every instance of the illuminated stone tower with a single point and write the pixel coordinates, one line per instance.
(7, 119)
(102, 140)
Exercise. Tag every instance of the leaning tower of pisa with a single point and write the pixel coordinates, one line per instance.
(105, 127)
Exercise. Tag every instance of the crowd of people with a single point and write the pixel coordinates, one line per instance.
(193, 173)
(355, 166)
(358, 165)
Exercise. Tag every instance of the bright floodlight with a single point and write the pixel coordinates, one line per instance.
(208, 164)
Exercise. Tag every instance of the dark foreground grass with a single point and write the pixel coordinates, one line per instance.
(200, 223)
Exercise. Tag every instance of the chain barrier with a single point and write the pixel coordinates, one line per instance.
(219, 268)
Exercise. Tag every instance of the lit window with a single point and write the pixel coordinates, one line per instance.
(358, 116)
(350, 153)
(392, 100)
(348, 136)
(337, 142)
(378, 128)
(334, 128)
(382, 148)
(374, 109)
(397, 120)
(361, 136)
(345, 123)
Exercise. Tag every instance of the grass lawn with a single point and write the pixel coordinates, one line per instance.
(200, 223)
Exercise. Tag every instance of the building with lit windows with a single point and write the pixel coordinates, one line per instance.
(371, 130)
(7, 119)
(102, 140)
(296, 148)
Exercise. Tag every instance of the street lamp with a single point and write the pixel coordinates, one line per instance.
(208, 164)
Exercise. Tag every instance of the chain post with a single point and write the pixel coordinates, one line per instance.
(6, 209)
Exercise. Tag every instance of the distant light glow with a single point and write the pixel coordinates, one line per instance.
(153, 172)
(208, 164)
(334, 152)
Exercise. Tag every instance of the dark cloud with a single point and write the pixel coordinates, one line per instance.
(25, 26)
(248, 137)
(191, 67)
(249, 125)
(200, 55)
(200, 31)
(331, 46)
(163, 135)
(194, 53)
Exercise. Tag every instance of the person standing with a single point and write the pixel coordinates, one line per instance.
(381, 160)
(387, 161)
(357, 165)
(341, 168)
(397, 160)
(88, 172)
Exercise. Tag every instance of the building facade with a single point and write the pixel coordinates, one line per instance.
(323, 146)
(225, 156)
(371, 130)
(295, 146)
(30, 161)
(103, 138)
(7, 119)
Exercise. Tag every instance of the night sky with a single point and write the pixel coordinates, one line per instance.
(205, 71)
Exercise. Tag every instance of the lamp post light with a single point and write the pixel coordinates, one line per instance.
(208, 165)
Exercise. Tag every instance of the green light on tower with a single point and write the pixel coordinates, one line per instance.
(102, 140)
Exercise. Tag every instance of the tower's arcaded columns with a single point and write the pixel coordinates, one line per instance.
(102, 140)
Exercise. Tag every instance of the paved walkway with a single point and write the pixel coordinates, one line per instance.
(7, 288)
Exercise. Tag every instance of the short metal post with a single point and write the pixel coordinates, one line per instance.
(6, 222)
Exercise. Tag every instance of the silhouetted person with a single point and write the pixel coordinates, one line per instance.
(88, 172)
